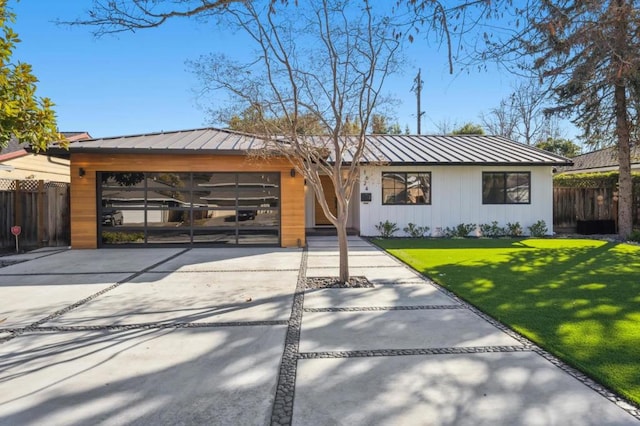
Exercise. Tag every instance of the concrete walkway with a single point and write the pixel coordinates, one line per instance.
(229, 336)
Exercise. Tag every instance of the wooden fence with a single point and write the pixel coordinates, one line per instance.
(573, 204)
(40, 208)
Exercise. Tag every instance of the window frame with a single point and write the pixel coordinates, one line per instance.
(505, 175)
(406, 173)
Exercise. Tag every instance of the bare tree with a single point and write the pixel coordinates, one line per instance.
(324, 60)
(527, 101)
(501, 120)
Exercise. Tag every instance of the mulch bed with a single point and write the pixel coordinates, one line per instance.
(334, 282)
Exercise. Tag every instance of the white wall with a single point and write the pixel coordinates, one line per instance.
(456, 198)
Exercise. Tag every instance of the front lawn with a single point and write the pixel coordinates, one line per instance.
(577, 298)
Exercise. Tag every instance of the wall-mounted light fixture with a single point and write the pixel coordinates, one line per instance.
(292, 172)
(81, 171)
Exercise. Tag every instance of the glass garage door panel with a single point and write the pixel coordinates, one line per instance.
(191, 208)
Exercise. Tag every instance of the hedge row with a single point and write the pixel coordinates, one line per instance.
(590, 180)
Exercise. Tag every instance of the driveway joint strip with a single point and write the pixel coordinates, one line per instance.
(410, 352)
(148, 326)
(282, 411)
(79, 303)
(224, 270)
(385, 308)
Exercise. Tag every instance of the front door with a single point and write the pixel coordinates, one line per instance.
(332, 202)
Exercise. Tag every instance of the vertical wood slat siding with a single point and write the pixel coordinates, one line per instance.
(83, 189)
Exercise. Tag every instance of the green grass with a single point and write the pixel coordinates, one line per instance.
(577, 298)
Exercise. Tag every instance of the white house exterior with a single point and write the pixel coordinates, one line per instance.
(444, 181)
(456, 197)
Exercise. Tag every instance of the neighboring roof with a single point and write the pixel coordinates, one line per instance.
(389, 149)
(15, 149)
(602, 160)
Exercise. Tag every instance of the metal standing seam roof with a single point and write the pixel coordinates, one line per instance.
(387, 149)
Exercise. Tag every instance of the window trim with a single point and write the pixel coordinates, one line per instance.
(405, 174)
(505, 202)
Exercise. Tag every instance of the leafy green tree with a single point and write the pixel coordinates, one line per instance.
(469, 129)
(380, 126)
(23, 115)
(559, 146)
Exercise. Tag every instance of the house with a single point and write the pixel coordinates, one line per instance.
(18, 164)
(602, 160)
(200, 187)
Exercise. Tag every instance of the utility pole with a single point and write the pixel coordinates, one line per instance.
(417, 87)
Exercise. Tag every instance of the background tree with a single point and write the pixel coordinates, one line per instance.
(23, 115)
(559, 146)
(380, 125)
(501, 120)
(469, 129)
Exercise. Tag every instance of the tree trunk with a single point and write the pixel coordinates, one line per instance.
(343, 244)
(625, 185)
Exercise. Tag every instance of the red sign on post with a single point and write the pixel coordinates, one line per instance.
(15, 230)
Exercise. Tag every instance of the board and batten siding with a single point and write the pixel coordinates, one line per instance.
(456, 197)
(84, 227)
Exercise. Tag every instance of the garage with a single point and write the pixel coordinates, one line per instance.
(202, 187)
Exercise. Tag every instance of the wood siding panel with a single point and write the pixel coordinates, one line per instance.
(83, 189)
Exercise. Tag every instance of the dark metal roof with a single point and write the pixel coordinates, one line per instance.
(388, 149)
(455, 150)
(184, 141)
(605, 159)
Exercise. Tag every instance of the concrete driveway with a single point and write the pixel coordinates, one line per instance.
(229, 336)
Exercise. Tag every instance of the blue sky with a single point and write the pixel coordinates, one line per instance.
(138, 82)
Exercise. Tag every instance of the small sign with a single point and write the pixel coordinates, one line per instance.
(16, 230)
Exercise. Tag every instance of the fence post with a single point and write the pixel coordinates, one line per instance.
(41, 214)
(17, 204)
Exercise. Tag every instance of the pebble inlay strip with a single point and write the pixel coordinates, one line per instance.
(384, 308)
(55, 274)
(282, 411)
(409, 352)
(88, 299)
(224, 270)
(149, 326)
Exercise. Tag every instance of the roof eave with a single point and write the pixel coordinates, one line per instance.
(444, 163)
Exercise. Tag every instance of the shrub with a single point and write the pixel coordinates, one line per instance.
(122, 237)
(515, 229)
(538, 229)
(387, 229)
(491, 230)
(415, 231)
(635, 236)
(460, 231)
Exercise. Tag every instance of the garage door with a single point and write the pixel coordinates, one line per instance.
(138, 208)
